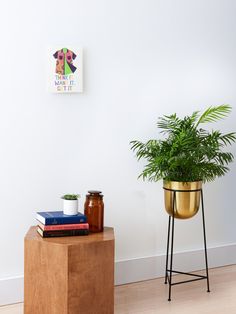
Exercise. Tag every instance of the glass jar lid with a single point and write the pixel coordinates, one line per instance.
(94, 192)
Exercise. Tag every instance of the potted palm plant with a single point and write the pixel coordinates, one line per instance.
(186, 157)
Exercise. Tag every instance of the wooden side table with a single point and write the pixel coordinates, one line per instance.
(69, 275)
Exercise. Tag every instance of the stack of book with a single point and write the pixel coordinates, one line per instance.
(56, 224)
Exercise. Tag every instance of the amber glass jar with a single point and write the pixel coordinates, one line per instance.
(94, 210)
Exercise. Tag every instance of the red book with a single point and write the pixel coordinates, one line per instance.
(81, 226)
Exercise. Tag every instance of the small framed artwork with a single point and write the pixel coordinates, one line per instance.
(65, 69)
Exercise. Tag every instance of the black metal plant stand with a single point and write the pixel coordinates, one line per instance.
(170, 271)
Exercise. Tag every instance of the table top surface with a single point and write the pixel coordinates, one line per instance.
(106, 235)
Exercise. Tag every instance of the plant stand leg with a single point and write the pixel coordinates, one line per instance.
(172, 244)
(167, 250)
(205, 247)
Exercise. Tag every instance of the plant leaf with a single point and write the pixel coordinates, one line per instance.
(213, 114)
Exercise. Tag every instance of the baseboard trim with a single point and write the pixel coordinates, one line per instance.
(11, 290)
(151, 267)
(138, 269)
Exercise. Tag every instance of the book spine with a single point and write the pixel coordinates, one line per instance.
(63, 227)
(65, 221)
(63, 233)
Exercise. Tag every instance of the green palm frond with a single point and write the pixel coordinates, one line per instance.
(224, 158)
(213, 114)
(194, 116)
(228, 138)
(168, 123)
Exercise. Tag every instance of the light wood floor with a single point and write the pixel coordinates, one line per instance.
(150, 297)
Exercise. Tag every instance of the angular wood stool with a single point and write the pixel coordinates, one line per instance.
(69, 275)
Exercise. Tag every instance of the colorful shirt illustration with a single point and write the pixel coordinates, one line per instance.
(64, 63)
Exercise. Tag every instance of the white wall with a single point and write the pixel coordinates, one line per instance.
(142, 59)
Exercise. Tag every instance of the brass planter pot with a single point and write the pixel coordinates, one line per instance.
(186, 203)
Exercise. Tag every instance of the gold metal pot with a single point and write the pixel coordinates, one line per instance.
(186, 203)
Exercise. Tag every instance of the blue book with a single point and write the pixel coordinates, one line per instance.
(58, 218)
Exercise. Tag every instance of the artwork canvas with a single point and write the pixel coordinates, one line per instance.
(65, 69)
